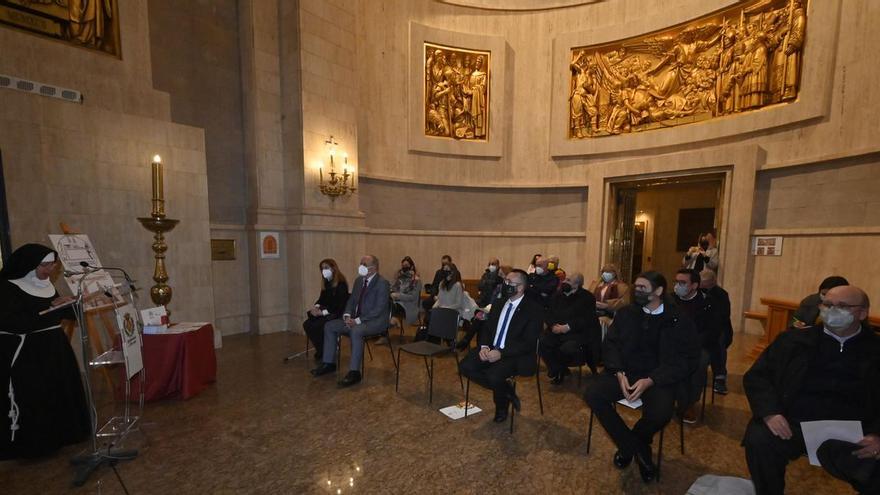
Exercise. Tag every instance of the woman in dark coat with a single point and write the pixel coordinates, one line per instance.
(329, 306)
(46, 404)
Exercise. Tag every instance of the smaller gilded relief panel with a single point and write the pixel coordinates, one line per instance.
(92, 24)
(733, 61)
(456, 92)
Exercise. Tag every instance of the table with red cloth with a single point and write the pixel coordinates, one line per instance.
(177, 365)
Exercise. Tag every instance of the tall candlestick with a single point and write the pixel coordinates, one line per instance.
(158, 188)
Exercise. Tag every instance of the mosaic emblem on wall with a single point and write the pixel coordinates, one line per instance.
(456, 92)
(91, 24)
(733, 61)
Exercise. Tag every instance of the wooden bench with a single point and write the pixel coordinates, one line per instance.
(777, 319)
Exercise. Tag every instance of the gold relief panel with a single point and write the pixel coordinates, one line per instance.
(456, 92)
(92, 24)
(733, 61)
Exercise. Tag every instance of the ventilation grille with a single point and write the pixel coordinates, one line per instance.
(26, 86)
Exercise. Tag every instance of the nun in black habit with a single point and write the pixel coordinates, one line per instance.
(43, 406)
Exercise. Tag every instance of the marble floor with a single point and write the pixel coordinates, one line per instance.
(269, 427)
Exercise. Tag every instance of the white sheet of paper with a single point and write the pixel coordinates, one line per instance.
(632, 405)
(816, 432)
(457, 411)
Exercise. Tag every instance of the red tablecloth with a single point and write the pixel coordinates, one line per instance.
(178, 366)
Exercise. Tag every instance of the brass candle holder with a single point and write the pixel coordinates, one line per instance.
(158, 224)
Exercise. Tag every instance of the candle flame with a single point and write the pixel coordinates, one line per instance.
(157, 159)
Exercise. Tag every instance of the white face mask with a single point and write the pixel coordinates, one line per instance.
(363, 270)
(681, 290)
(836, 319)
(607, 277)
(539, 270)
(493, 268)
(327, 273)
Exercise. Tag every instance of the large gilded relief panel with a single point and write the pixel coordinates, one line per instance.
(92, 24)
(456, 98)
(739, 59)
(456, 92)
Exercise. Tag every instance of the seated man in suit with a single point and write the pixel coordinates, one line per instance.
(827, 372)
(572, 329)
(366, 313)
(507, 344)
(650, 350)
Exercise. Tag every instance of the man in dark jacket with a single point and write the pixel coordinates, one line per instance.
(700, 308)
(507, 344)
(650, 350)
(573, 332)
(709, 286)
(542, 284)
(830, 372)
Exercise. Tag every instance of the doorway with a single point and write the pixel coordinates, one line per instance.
(653, 222)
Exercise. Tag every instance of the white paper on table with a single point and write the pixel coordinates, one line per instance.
(457, 411)
(631, 404)
(816, 432)
(175, 328)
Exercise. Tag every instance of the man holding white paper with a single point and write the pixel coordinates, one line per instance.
(821, 373)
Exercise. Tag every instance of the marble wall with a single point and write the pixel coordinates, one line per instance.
(89, 164)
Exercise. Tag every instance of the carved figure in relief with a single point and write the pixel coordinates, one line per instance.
(743, 58)
(88, 20)
(456, 101)
(477, 90)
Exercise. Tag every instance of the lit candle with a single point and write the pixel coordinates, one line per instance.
(158, 187)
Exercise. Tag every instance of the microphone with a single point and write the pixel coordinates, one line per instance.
(128, 279)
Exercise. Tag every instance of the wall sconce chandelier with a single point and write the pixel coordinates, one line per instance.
(339, 184)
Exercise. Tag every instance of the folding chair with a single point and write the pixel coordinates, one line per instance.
(444, 326)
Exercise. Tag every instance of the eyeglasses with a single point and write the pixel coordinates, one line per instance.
(840, 305)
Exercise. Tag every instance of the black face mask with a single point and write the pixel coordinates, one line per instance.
(704, 245)
(405, 269)
(641, 298)
(566, 287)
(508, 290)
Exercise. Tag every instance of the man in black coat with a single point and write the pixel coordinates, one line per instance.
(542, 284)
(830, 372)
(720, 297)
(650, 350)
(700, 308)
(573, 331)
(507, 344)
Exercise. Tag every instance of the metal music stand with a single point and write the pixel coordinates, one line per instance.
(116, 428)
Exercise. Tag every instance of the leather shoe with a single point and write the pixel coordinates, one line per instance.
(323, 369)
(621, 461)
(350, 379)
(647, 468)
(500, 415)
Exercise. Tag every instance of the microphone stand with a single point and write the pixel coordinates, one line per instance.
(85, 464)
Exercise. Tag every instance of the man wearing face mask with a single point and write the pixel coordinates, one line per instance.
(825, 372)
(572, 329)
(703, 255)
(542, 284)
(488, 282)
(366, 313)
(649, 351)
(709, 285)
(700, 308)
(507, 344)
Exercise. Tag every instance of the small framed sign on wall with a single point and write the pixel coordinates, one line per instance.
(270, 247)
(767, 245)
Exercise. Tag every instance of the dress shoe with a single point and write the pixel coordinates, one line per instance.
(351, 378)
(621, 461)
(323, 369)
(647, 468)
(500, 415)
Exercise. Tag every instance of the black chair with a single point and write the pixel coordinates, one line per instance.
(659, 444)
(512, 379)
(444, 326)
(366, 339)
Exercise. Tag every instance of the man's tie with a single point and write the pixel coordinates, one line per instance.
(500, 338)
(357, 312)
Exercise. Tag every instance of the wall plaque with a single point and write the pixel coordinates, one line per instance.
(92, 24)
(456, 92)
